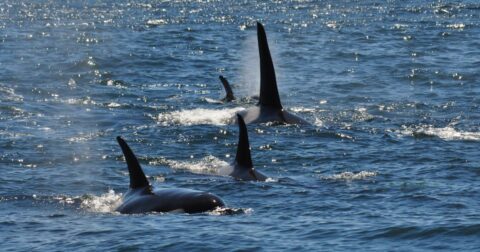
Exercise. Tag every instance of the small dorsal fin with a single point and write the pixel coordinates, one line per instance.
(137, 177)
(243, 157)
(268, 82)
(228, 89)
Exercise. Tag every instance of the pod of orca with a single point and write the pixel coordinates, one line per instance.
(141, 198)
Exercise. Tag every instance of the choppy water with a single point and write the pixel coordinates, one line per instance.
(391, 88)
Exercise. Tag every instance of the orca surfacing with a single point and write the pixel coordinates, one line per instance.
(140, 197)
(228, 90)
(269, 107)
(243, 167)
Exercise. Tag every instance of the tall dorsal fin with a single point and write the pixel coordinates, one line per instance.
(137, 177)
(243, 157)
(268, 82)
(228, 89)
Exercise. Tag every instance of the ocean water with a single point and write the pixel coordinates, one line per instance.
(391, 161)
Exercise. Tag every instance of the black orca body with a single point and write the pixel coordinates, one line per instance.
(228, 90)
(140, 198)
(269, 107)
(243, 166)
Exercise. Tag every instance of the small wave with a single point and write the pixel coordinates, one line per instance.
(352, 176)
(213, 101)
(105, 203)
(448, 133)
(400, 26)
(198, 116)
(113, 105)
(361, 114)
(79, 101)
(271, 180)
(209, 164)
(157, 22)
(8, 94)
(416, 232)
(302, 109)
(456, 26)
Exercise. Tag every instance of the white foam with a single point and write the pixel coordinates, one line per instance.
(225, 211)
(65, 199)
(459, 26)
(209, 164)
(352, 176)
(10, 94)
(271, 180)
(105, 203)
(446, 133)
(199, 116)
(302, 109)
(114, 105)
(157, 22)
(318, 122)
(213, 101)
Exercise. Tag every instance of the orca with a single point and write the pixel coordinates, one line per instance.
(228, 90)
(242, 166)
(269, 107)
(140, 198)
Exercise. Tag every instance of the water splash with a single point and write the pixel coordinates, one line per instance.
(199, 116)
(209, 164)
(105, 203)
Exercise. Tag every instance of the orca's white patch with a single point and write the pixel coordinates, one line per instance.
(180, 210)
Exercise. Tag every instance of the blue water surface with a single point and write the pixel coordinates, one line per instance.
(391, 161)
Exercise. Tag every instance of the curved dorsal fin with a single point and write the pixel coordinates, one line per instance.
(268, 82)
(228, 89)
(137, 177)
(243, 157)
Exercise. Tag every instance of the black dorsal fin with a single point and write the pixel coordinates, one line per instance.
(268, 82)
(228, 89)
(137, 177)
(243, 157)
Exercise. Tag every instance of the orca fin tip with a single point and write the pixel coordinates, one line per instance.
(240, 119)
